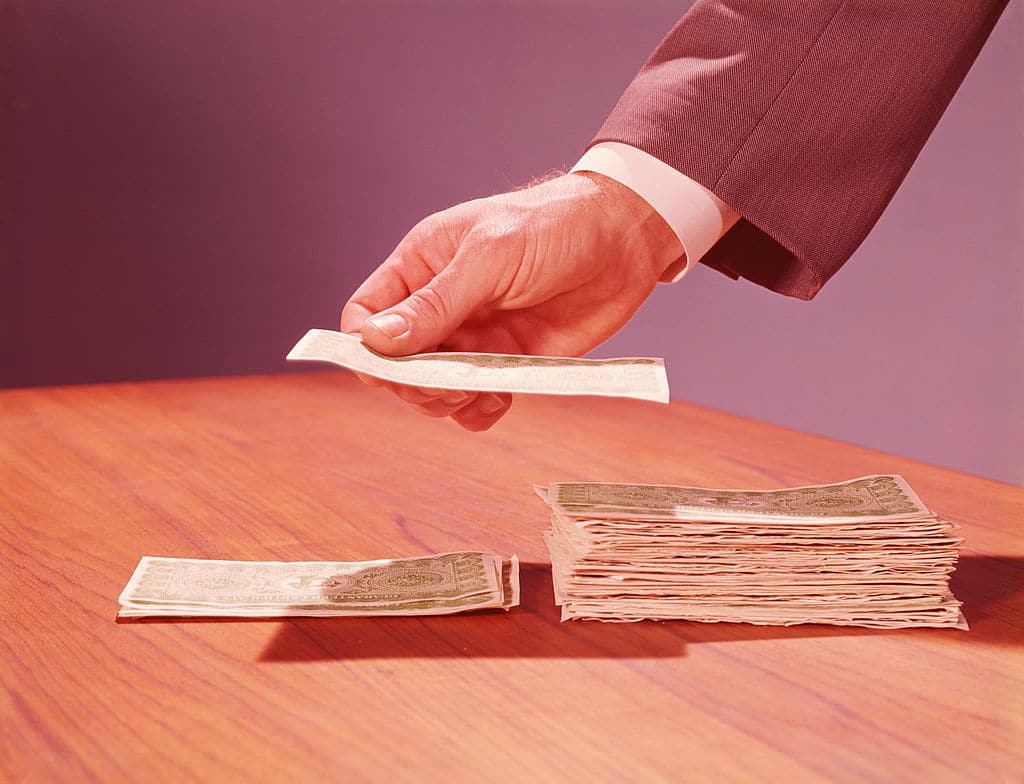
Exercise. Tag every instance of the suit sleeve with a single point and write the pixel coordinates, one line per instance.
(804, 117)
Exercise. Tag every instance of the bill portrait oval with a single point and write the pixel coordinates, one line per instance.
(408, 578)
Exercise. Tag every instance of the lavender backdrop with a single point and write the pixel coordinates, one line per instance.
(192, 185)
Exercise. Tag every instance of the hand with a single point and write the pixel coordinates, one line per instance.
(553, 269)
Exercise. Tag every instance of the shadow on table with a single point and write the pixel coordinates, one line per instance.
(532, 630)
(990, 587)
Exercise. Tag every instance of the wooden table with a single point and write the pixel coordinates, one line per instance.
(317, 467)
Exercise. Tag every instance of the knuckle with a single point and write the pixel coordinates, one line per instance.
(440, 229)
(414, 397)
(473, 421)
(428, 226)
(431, 410)
(432, 302)
(494, 234)
(497, 240)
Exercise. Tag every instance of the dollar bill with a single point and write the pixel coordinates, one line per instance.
(431, 585)
(641, 378)
(879, 498)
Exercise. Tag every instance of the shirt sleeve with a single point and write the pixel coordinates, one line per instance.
(697, 216)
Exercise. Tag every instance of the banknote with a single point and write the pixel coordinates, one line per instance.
(636, 377)
(430, 585)
(876, 498)
(946, 616)
(865, 552)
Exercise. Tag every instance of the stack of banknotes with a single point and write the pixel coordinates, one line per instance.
(861, 553)
(431, 585)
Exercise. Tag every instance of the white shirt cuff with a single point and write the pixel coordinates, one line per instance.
(695, 214)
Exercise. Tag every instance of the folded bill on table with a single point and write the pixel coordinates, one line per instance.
(429, 585)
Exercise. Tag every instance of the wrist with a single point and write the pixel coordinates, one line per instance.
(644, 234)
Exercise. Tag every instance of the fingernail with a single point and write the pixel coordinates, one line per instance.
(490, 404)
(391, 324)
(454, 398)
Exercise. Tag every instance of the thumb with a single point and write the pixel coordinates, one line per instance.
(425, 319)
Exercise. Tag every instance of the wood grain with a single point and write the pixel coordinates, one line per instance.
(315, 466)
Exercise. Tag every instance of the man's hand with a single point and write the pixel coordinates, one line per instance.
(552, 269)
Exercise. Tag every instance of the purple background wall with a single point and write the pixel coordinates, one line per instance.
(192, 185)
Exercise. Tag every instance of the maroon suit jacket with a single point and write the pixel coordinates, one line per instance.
(803, 116)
